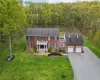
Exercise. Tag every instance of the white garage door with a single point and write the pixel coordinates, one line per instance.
(70, 48)
(78, 49)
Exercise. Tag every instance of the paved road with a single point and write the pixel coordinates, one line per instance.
(86, 66)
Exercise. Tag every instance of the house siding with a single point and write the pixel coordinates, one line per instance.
(52, 41)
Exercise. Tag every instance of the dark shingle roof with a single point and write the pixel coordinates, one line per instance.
(74, 38)
(42, 32)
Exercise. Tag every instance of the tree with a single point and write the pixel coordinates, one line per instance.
(13, 18)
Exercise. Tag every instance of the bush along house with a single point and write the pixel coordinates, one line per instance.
(42, 39)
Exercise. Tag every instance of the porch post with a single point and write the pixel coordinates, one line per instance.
(46, 47)
(37, 47)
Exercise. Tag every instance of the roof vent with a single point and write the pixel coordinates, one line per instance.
(69, 36)
(77, 36)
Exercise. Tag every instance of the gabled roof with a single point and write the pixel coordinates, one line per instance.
(42, 32)
(74, 38)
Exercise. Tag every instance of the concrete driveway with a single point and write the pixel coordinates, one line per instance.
(86, 66)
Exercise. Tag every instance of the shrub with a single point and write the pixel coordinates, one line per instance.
(61, 50)
(53, 53)
(64, 75)
(51, 50)
(35, 48)
(61, 53)
(31, 50)
(40, 54)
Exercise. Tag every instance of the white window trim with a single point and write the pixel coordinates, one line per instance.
(29, 37)
(55, 38)
(48, 37)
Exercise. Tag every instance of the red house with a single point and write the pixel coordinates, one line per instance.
(44, 38)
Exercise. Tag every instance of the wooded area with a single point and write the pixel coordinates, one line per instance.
(81, 16)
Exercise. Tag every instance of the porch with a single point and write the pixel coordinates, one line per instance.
(42, 46)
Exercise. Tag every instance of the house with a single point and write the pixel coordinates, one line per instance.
(74, 42)
(44, 38)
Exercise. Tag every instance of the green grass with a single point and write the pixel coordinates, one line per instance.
(93, 48)
(25, 67)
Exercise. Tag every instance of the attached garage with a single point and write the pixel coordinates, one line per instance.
(74, 49)
(74, 42)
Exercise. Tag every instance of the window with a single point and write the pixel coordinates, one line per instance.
(35, 37)
(41, 38)
(29, 44)
(29, 37)
(55, 38)
(48, 37)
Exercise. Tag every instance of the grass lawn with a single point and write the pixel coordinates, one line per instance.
(93, 48)
(25, 67)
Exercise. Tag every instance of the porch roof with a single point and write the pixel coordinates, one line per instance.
(41, 42)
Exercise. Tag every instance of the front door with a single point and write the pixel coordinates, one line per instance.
(41, 46)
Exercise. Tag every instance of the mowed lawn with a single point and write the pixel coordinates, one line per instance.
(24, 67)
